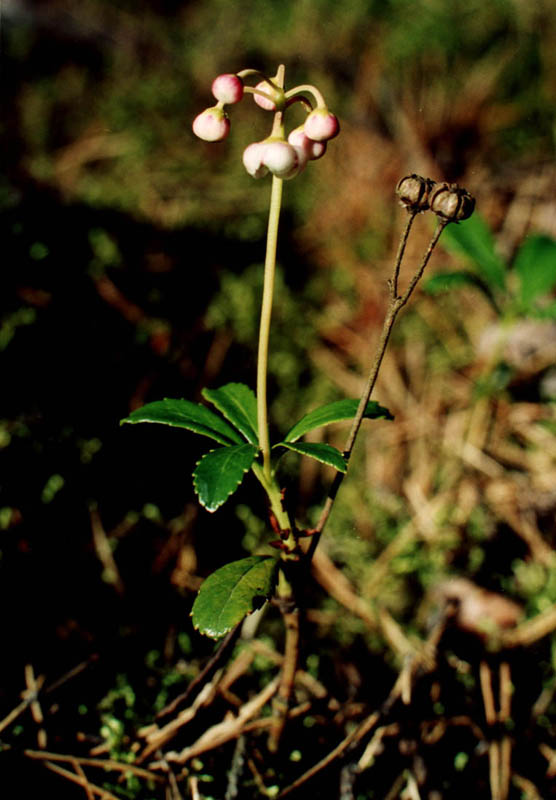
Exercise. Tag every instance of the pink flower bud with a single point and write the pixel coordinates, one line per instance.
(281, 159)
(227, 88)
(321, 125)
(268, 105)
(212, 124)
(302, 161)
(312, 149)
(253, 160)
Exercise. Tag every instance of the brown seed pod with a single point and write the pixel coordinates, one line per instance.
(414, 192)
(451, 202)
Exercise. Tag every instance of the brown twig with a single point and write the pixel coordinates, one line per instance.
(397, 302)
(81, 781)
(206, 673)
(485, 677)
(531, 630)
(423, 659)
(230, 728)
(81, 772)
(528, 788)
(33, 686)
(106, 764)
(352, 738)
(282, 699)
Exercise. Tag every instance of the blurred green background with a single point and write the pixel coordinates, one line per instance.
(132, 271)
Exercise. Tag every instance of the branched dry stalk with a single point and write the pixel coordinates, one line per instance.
(281, 702)
(396, 303)
(357, 736)
(499, 751)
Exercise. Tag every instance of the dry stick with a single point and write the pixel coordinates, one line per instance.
(287, 676)
(206, 673)
(71, 776)
(354, 737)
(397, 302)
(108, 764)
(505, 699)
(194, 788)
(36, 710)
(31, 696)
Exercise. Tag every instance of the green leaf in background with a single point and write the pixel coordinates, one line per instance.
(321, 452)
(446, 281)
(232, 592)
(334, 412)
(546, 312)
(535, 264)
(474, 240)
(185, 414)
(238, 404)
(219, 473)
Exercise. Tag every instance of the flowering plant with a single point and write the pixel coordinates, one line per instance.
(239, 424)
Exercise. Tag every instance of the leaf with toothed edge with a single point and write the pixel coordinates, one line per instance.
(334, 412)
(218, 474)
(232, 592)
(237, 402)
(324, 453)
(185, 414)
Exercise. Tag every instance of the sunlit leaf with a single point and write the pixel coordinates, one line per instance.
(185, 414)
(319, 451)
(219, 473)
(232, 592)
(238, 404)
(334, 412)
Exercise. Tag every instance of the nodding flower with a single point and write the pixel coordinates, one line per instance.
(282, 157)
(212, 124)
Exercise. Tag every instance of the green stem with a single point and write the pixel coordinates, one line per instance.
(268, 292)
(305, 87)
(264, 329)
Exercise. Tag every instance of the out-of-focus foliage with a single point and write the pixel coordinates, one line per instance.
(132, 271)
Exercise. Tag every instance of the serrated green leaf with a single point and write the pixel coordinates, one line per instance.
(319, 451)
(239, 405)
(185, 414)
(219, 473)
(473, 239)
(535, 264)
(232, 592)
(334, 412)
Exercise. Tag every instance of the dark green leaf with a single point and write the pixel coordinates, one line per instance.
(334, 412)
(219, 473)
(185, 414)
(535, 264)
(473, 239)
(239, 405)
(321, 452)
(232, 592)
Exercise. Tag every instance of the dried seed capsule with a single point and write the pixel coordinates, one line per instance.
(414, 192)
(451, 202)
